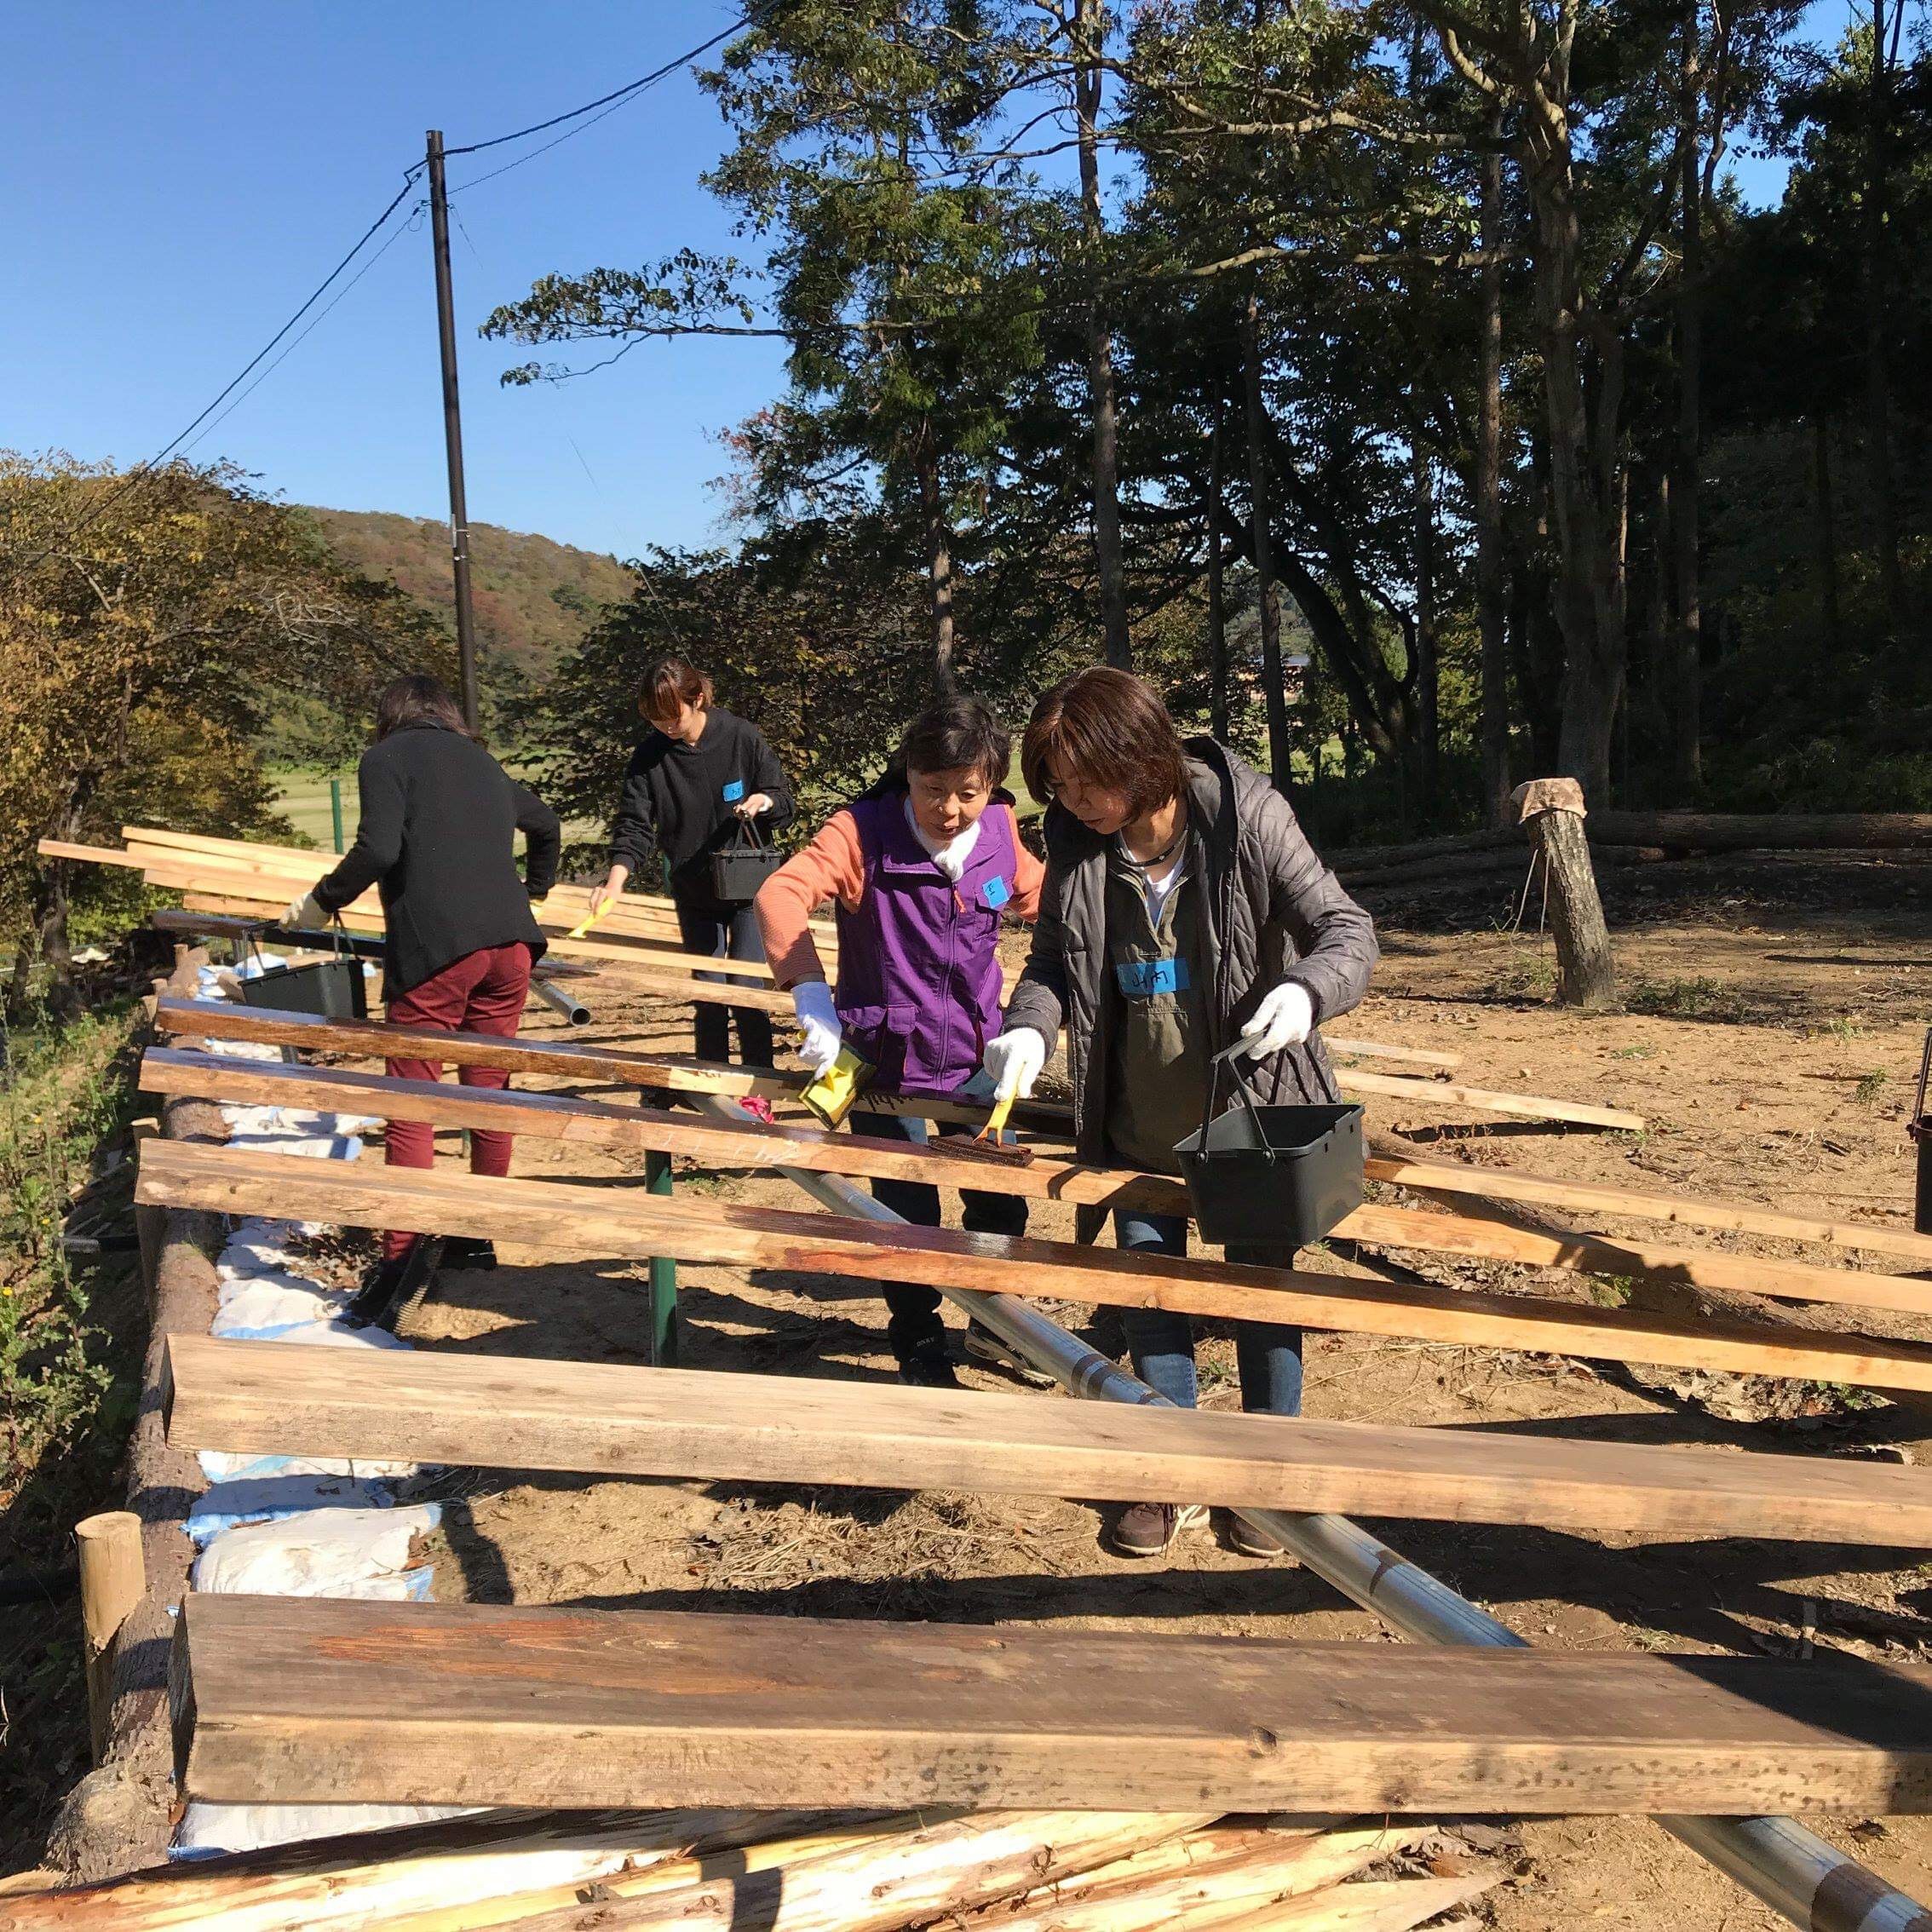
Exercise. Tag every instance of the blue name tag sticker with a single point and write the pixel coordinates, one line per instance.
(995, 892)
(733, 790)
(1141, 978)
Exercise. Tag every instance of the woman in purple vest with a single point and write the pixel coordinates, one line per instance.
(922, 870)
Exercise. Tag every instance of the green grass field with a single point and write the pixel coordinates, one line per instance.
(304, 798)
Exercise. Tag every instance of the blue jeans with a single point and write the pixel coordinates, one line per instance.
(915, 1327)
(726, 932)
(1269, 1354)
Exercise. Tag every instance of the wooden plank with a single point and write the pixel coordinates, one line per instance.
(309, 1700)
(644, 905)
(592, 1419)
(1526, 1107)
(226, 886)
(652, 909)
(611, 1066)
(1686, 1210)
(558, 1214)
(727, 1144)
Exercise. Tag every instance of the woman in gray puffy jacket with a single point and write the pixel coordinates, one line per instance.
(1183, 912)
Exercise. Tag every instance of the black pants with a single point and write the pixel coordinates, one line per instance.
(915, 1327)
(726, 932)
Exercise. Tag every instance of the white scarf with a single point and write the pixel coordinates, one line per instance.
(950, 858)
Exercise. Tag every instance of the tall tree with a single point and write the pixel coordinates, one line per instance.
(899, 280)
(1086, 27)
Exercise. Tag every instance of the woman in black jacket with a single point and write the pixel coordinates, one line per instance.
(439, 820)
(697, 777)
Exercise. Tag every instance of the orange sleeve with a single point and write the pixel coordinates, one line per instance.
(830, 867)
(1028, 873)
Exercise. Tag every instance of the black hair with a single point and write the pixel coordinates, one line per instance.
(957, 734)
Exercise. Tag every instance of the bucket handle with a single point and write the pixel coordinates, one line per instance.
(1229, 1057)
(745, 837)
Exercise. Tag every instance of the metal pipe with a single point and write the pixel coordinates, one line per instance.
(1793, 1871)
(554, 997)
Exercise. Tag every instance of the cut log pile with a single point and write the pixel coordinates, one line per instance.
(792, 1871)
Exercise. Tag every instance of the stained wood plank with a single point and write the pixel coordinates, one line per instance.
(557, 1215)
(211, 1019)
(592, 1419)
(305, 1700)
(555, 1117)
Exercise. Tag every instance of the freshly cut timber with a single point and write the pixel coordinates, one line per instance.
(1524, 1107)
(1452, 1178)
(591, 1419)
(554, 1214)
(734, 1143)
(312, 1700)
(635, 916)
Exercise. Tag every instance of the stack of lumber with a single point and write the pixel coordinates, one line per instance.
(637, 942)
(787, 1872)
(726, 1144)
(557, 1215)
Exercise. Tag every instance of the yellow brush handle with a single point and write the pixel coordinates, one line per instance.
(591, 920)
(997, 1119)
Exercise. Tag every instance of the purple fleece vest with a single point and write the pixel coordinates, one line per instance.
(918, 963)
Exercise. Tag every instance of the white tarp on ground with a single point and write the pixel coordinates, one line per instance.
(291, 1526)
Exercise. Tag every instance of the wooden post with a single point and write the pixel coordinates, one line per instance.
(1553, 810)
(664, 1274)
(113, 1577)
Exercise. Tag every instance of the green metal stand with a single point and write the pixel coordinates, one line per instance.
(664, 1275)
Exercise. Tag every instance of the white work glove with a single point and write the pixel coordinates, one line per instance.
(1014, 1062)
(1281, 1020)
(305, 913)
(812, 1001)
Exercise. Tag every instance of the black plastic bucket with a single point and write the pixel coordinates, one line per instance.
(737, 870)
(337, 989)
(1279, 1174)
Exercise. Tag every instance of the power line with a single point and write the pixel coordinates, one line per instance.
(141, 472)
(618, 96)
(608, 103)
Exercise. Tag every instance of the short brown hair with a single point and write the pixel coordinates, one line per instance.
(669, 683)
(1113, 729)
(418, 700)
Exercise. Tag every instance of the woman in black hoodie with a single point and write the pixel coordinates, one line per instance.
(700, 775)
(436, 838)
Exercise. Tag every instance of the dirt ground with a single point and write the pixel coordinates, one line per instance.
(1771, 1046)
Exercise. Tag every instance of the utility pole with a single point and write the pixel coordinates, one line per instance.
(453, 429)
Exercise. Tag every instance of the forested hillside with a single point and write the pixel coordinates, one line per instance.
(534, 596)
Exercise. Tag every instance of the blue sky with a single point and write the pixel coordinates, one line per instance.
(178, 177)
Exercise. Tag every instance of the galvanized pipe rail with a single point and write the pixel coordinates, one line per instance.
(1792, 1870)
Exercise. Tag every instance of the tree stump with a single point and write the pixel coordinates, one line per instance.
(1552, 811)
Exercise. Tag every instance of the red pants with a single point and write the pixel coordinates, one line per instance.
(481, 992)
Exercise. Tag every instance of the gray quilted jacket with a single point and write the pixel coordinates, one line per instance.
(1274, 912)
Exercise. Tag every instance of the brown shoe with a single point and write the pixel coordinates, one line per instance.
(1148, 1529)
(1249, 1538)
